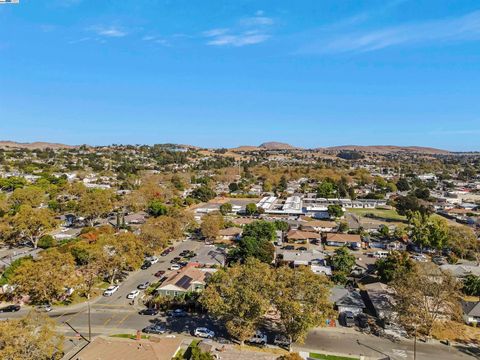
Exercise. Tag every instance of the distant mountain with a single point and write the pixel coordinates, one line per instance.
(385, 149)
(272, 145)
(33, 145)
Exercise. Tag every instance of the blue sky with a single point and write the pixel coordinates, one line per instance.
(226, 73)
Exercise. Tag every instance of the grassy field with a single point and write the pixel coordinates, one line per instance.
(379, 214)
(330, 357)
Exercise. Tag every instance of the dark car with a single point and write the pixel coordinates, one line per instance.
(144, 285)
(150, 311)
(160, 273)
(175, 260)
(282, 341)
(146, 265)
(155, 329)
(10, 308)
(347, 319)
(362, 320)
(177, 313)
(288, 247)
(165, 253)
(302, 248)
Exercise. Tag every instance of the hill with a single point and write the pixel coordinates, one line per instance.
(273, 145)
(385, 149)
(33, 145)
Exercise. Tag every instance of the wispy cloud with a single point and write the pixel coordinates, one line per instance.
(157, 40)
(463, 28)
(108, 31)
(248, 31)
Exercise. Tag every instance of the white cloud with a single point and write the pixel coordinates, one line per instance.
(463, 28)
(247, 31)
(108, 31)
(157, 40)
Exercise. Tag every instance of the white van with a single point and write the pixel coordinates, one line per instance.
(380, 254)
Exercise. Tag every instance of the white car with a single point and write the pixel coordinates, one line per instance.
(204, 333)
(133, 294)
(110, 290)
(175, 267)
(152, 259)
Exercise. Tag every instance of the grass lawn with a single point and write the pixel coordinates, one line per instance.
(330, 357)
(379, 213)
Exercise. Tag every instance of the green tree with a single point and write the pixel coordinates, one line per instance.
(211, 225)
(157, 232)
(260, 230)
(463, 242)
(335, 211)
(29, 278)
(326, 189)
(157, 208)
(252, 247)
(31, 337)
(471, 285)
(396, 264)
(198, 354)
(281, 225)
(410, 203)
(384, 231)
(94, 204)
(226, 208)
(342, 263)
(251, 209)
(203, 193)
(427, 231)
(343, 227)
(30, 195)
(32, 223)
(403, 185)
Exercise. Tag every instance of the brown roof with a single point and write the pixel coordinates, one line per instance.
(302, 235)
(231, 231)
(320, 223)
(109, 348)
(185, 276)
(343, 237)
(242, 221)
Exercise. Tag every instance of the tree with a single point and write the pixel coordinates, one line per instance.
(32, 223)
(335, 211)
(157, 232)
(343, 227)
(384, 231)
(29, 278)
(198, 354)
(157, 208)
(290, 356)
(326, 189)
(30, 195)
(471, 285)
(394, 266)
(203, 193)
(260, 230)
(233, 187)
(252, 247)
(463, 242)
(116, 253)
(95, 203)
(427, 231)
(251, 209)
(342, 263)
(239, 296)
(211, 225)
(281, 225)
(410, 203)
(226, 208)
(403, 185)
(423, 298)
(31, 337)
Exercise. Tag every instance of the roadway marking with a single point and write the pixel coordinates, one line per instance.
(123, 319)
(107, 321)
(400, 353)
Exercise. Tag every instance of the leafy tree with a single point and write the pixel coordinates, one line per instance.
(403, 185)
(252, 247)
(251, 209)
(342, 263)
(409, 203)
(233, 187)
(424, 298)
(463, 242)
(10, 270)
(343, 227)
(32, 223)
(29, 278)
(31, 337)
(30, 195)
(290, 356)
(177, 182)
(226, 208)
(47, 241)
(394, 266)
(11, 183)
(203, 193)
(157, 232)
(326, 189)
(335, 211)
(281, 225)
(211, 225)
(260, 230)
(95, 203)
(157, 208)
(471, 285)
(428, 231)
(384, 231)
(198, 354)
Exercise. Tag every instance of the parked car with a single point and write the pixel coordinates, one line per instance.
(288, 247)
(152, 259)
(144, 285)
(175, 267)
(362, 320)
(110, 290)
(302, 248)
(282, 341)
(165, 252)
(45, 308)
(10, 308)
(149, 311)
(154, 329)
(146, 265)
(204, 333)
(133, 294)
(160, 273)
(177, 313)
(258, 339)
(175, 260)
(347, 319)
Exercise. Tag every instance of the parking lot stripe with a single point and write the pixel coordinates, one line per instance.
(123, 319)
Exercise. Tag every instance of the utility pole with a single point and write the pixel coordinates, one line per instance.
(415, 344)
(89, 320)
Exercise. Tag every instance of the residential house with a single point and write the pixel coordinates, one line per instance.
(379, 297)
(353, 241)
(230, 234)
(209, 256)
(296, 258)
(351, 301)
(188, 279)
(299, 236)
(471, 312)
(319, 225)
